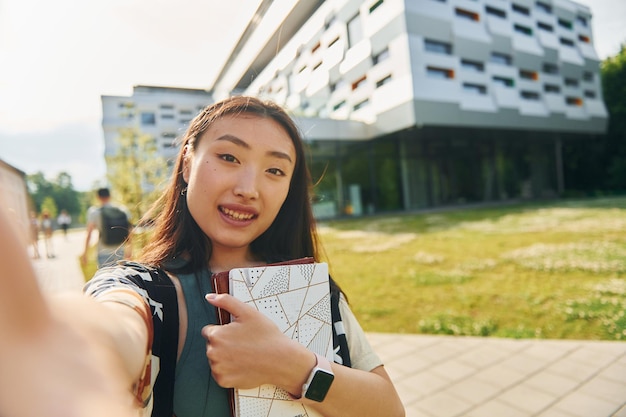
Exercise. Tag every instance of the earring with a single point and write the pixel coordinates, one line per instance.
(183, 191)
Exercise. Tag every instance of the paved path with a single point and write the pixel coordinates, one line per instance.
(447, 376)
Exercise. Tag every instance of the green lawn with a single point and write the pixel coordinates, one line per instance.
(556, 270)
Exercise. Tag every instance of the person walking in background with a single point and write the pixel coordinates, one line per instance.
(34, 234)
(114, 229)
(64, 220)
(47, 229)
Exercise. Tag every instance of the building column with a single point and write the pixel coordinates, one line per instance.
(404, 174)
(560, 177)
(340, 198)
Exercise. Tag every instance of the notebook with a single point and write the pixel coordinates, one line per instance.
(296, 297)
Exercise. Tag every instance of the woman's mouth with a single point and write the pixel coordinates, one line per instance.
(237, 215)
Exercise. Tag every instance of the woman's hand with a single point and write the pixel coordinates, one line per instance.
(50, 365)
(251, 350)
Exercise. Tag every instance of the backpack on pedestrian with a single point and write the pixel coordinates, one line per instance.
(115, 225)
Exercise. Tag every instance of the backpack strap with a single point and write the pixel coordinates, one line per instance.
(340, 342)
(164, 307)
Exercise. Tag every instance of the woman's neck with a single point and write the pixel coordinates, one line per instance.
(227, 259)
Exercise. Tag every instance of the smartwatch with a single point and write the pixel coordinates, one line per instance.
(319, 381)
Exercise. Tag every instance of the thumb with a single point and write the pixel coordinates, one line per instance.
(227, 302)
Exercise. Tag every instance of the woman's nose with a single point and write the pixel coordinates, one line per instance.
(246, 186)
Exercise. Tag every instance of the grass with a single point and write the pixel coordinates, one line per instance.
(555, 271)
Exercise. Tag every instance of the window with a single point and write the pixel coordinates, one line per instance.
(472, 65)
(581, 20)
(550, 68)
(334, 41)
(166, 107)
(316, 47)
(571, 82)
(566, 41)
(383, 81)
(168, 135)
(441, 73)
(545, 26)
(523, 29)
(590, 94)
(528, 75)
(339, 105)
(186, 112)
(375, 6)
(500, 58)
(467, 15)
(503, 81)
(573, 101)
(546, 8)
(437, 47)
(381, 56)
(529, 95)
(167, 116)
(588, 76)
(358, 83)
(552, 88)
(521, 9)
(361, 104)
(495, 12)
(319, 64)
(565, 24)
(474, 88)
(584, 38)
(355, 33)
(148, 118)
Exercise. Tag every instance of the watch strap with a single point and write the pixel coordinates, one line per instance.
(322, 363)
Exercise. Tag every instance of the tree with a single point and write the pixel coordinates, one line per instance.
(60, 193)
(136, 172)
(614, 88)
(598, 164)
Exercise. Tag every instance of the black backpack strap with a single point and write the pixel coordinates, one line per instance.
(164, 307)
(340, 342)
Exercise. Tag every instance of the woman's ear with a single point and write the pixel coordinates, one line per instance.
(186, 163)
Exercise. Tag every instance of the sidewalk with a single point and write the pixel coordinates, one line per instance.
(447, 376)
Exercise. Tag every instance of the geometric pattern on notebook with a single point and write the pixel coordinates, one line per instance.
(297, 299)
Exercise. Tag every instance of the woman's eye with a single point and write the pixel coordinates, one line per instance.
(227, 157)
(276, 171)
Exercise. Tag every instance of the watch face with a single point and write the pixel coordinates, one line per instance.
(319, 386)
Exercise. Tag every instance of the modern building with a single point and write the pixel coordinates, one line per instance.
(161, 112)
(409, 104)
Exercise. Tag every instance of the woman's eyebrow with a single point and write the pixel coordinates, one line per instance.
(281, 155)
(240, 142)
(235, 140)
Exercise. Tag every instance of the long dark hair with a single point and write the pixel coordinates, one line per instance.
(176, 235)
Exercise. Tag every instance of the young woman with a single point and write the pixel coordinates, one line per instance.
(239, 197)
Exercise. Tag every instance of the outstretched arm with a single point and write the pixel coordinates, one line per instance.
(251, 351)
(56, 358)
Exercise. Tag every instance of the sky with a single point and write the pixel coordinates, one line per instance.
(58, 57)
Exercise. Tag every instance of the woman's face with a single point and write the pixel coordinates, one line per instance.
(238, 178)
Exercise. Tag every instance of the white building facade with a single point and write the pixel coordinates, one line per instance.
(161, 112)
(417, 103)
